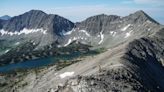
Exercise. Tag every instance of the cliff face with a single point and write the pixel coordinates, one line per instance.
(111, 30)
(95, 24)
(35, 26)
(36, 19)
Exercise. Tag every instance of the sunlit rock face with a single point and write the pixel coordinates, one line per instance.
(35, 25)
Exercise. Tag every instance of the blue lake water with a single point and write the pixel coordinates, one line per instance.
(38, 62)
(27, 64)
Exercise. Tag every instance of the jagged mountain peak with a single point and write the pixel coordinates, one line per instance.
(35, 19)
(46, 26)
(38, 11)
(140, 16)
(95, 24)
(34, 12)
(140, 12)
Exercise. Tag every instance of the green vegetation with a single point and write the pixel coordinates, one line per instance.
(63, 56)
(16, 77)
(100, 50)
(3, 84)
(60, 65)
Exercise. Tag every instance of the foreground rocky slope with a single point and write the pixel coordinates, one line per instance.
(140, 69)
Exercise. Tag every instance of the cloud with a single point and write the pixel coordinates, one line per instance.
(154, 2)
(145, 2)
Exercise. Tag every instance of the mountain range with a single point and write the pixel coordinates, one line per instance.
(132, 59)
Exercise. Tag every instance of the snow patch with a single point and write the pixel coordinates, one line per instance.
(69, 41)
(116, 65)
(66, 74)
(101, 37)
(33, 43)
(7, 51)
(24, 31)
(17, 43)
(149, 29)
(128, 34)
(69, 32)
(85, 32)
(126, 27)
(59, 46)
(52, 90)
(113, 33)
(148, 21)
(74, 38)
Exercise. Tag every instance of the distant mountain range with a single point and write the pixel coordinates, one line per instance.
(50, 28)
(133, 61)
(5, 17)
(98, 31)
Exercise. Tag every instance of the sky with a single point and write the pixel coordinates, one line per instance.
(78, 10)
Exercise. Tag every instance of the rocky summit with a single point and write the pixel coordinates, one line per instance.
(42, 52)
